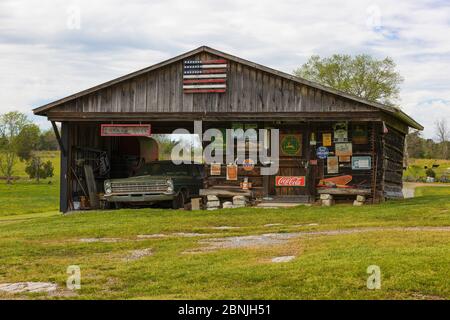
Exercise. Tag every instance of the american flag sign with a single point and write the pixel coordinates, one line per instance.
(205, 76)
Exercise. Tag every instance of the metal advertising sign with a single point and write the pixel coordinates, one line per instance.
(125, 130)
(289, 181)
(322, 152)
(290, 144)
(362, 163)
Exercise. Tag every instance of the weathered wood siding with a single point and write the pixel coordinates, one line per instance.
(248, 90)
(393, 144)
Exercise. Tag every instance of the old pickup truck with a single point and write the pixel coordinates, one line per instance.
(156, 182)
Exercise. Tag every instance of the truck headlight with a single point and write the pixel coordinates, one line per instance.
(169, 186)
(108, 187)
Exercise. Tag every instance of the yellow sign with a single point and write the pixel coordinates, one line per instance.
(326, 139)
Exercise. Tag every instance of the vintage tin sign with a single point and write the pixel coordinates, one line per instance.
(216, 169)
(248, 164)
(232, 171)
(125, 130)
(289, 181)
(340, 132)
(326, 139)
(343, 149)
(362, 163)
(290, 144)
(332, 165)
(322, 152)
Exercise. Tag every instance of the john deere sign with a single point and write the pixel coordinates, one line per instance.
(290, 144)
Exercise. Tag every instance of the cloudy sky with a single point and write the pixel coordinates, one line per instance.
(50, 49)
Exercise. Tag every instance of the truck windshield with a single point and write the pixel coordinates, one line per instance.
(165, 169)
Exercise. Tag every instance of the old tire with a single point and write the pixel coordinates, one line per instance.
(179, 200)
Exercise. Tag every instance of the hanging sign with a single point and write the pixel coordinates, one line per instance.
(326, 139)
(332, 164)
(360, 134)
(343, 149)
(340, 132)
(322, 152)
(289, 181)
(362, 163)
(290, 144)
(248, 164)
(313, 141)
(125, 130)
(232, 171)
(215, 169)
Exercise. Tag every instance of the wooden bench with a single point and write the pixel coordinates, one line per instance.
(327, 195)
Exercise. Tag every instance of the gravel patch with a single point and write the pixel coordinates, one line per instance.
(269, 239)
(151, 236)
(138, 254)
(21, 287)
(224, 228)
(108, 240)
(283, 259)
(189, 234)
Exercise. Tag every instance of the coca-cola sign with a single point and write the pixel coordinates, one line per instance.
(290, 181)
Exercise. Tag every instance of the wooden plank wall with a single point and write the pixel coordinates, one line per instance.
(393, 144)
(248, 90)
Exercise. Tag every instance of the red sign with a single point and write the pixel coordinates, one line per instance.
(290, 181)
(125, 130)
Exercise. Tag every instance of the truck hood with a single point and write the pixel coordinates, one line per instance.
(139, 179)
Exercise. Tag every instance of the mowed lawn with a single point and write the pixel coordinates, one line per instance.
(409, 240)
(28, 196)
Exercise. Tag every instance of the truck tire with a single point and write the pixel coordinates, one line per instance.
(179, 200)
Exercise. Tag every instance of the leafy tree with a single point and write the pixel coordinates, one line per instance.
(47, 140)
(11, 124)
(36, 169)
(430, 173)
(27, 141)
(361, 75)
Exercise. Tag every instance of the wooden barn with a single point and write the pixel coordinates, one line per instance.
(331, 143)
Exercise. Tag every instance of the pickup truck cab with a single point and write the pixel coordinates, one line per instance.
(157, 181)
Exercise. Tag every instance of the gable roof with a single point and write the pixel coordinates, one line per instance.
(397, 113)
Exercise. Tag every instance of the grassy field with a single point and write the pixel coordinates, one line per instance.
(409, 240)
(171, 254)
(28, 196)
(416, 168)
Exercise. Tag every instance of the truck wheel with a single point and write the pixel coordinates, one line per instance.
(179, 200)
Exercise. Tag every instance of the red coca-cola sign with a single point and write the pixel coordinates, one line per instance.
(290, 181)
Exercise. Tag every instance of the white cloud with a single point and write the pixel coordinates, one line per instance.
(42, 59)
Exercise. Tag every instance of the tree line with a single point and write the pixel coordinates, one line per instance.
(421, 148)
(20, 140)
(378, 81)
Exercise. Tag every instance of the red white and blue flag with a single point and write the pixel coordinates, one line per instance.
(204, 76)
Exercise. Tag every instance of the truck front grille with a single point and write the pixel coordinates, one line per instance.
(139, 187)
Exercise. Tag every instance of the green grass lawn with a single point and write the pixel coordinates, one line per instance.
(415, 263)
(416, 168)
(432, 191)
(26, 195)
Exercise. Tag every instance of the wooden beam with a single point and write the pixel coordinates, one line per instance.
(58, 138)
(64, 173)
(215, 116)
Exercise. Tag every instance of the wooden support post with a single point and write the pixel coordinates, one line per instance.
(64, 174)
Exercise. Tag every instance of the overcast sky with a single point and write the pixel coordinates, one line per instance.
(50, 49)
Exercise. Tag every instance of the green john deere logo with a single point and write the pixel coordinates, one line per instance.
(290, 145)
